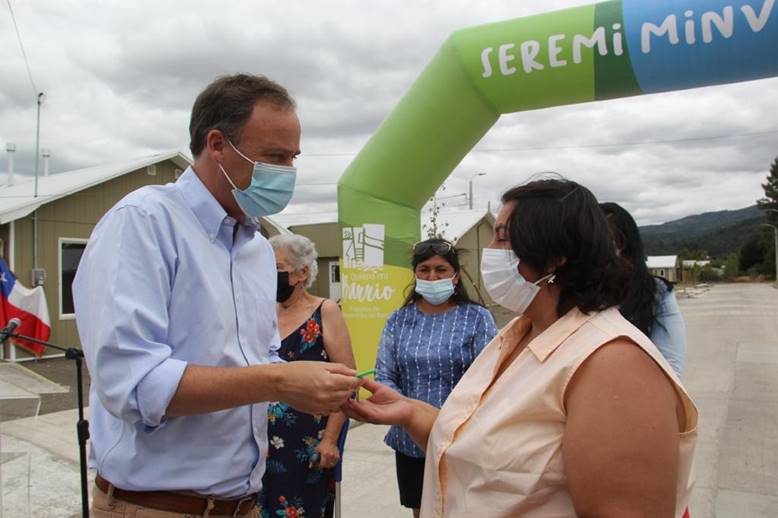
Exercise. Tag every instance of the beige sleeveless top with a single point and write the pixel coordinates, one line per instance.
(499, 453)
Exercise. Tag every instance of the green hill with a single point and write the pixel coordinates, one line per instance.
(716, 233)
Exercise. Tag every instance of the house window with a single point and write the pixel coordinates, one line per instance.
(70, 251)
(151, 170)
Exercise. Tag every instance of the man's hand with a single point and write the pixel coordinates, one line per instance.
(318, 388)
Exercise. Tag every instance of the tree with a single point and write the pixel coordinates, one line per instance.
(731, 266)
(770, 201)
(435, 228)
(752, 254)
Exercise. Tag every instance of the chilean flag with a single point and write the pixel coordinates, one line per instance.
(28, 305)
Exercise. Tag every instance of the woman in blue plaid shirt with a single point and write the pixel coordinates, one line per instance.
(426, 347)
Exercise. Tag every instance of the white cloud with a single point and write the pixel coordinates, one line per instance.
(120, 79)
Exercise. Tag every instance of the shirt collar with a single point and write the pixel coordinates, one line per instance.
(513, 331)
(543, 345)
(549, 340)
(206, 209)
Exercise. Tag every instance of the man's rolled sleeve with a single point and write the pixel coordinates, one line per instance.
(156, 390)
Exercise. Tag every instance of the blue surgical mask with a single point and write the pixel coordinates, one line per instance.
(270, 189)
(435, 292)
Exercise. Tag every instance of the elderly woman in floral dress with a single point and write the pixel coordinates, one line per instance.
(299, 479)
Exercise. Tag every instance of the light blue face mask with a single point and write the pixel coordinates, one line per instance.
(270, 189)
(435, 292)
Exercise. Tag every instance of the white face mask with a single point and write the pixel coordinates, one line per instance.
(504, 283)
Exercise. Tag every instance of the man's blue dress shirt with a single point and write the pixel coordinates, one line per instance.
(167, 280)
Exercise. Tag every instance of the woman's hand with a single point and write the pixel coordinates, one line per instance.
(329, 455)
(385, 406)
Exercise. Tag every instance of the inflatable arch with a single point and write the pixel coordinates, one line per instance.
(602, 51)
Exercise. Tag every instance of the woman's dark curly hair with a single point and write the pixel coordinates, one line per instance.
(557, 219)
(424, 250)
(639, 304)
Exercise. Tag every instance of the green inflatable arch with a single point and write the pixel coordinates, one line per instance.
(601, 51)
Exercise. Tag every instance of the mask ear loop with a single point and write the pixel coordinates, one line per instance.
(228, 177)
(551, 278)
(241, 154)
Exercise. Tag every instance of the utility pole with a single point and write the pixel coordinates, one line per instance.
(470, 190)
(775, 242)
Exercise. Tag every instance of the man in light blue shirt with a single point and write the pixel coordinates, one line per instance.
(175, 303)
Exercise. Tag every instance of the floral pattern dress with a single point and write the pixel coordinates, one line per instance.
(290, 488)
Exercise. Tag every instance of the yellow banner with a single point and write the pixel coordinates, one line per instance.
(368, 296)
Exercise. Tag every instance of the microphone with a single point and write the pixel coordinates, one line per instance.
(9, 328)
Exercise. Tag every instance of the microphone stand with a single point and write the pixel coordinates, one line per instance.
(82, 426)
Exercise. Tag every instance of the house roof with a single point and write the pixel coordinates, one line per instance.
(662, 261)
(18, 200)
(455, 224)
(452, 225)
(691, 263)
(274, 225)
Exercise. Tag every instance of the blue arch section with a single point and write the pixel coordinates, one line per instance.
(678, 54)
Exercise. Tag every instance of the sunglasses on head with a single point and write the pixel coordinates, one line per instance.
(436, 247)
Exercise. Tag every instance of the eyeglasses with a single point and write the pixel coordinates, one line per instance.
(436, 247)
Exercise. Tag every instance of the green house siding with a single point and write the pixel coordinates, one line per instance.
(326, 238)
(71, 217)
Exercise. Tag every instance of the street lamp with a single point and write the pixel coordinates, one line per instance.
(41, 96)
(470, 190)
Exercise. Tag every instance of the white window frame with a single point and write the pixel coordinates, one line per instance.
(61, 241)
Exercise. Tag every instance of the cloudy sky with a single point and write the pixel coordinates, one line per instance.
(120, 79)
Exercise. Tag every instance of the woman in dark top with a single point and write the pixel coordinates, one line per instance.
(302, 448)
(649, 303)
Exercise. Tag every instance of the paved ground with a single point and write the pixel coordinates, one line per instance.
(732, 373)
(60, 371)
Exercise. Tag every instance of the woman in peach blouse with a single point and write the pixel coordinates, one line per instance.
(570, 410)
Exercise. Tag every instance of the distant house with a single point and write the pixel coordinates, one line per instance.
(42, 237)
(469, 230)
(666, 266)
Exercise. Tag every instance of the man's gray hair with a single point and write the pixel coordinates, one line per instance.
(300, 251)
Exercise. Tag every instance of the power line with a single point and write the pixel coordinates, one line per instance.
(631, 144)
(586, 146)
(21, 45)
